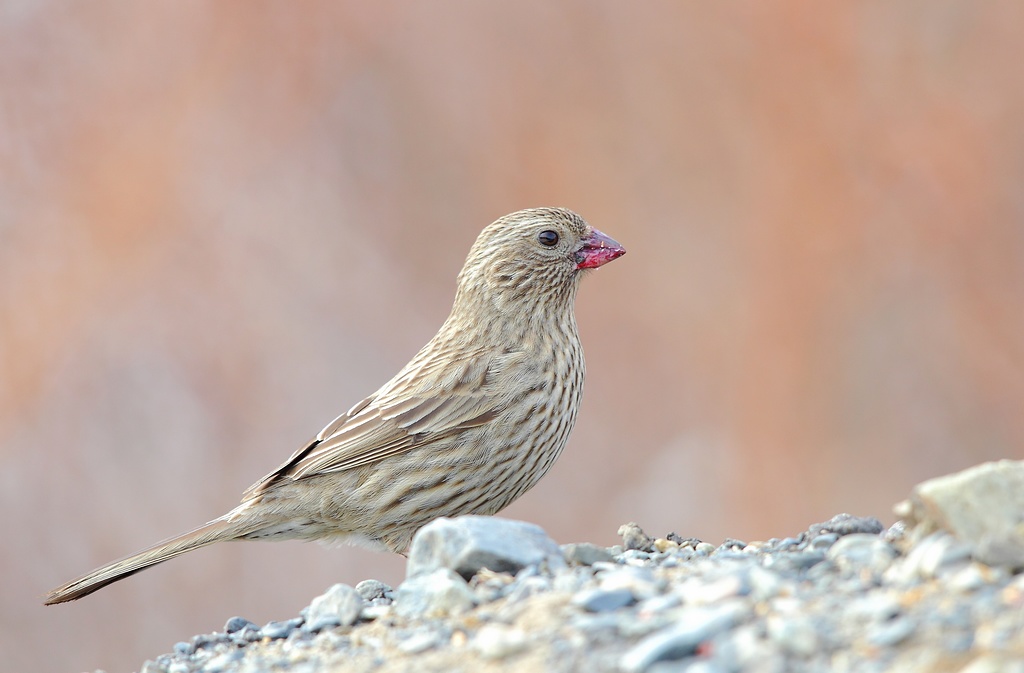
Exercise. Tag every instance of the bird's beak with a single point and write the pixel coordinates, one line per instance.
(598, 249)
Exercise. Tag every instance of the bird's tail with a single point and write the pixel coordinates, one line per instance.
(218, 530)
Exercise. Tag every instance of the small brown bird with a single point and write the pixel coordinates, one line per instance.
(468, 426)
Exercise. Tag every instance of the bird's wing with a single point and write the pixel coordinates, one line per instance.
(425, 402)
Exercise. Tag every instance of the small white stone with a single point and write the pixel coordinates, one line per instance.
(419, 642)
(436, 594)
(495, 642)
(794, 634)
(700, 592)
(338, 606)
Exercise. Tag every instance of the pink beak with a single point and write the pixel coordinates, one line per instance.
(598, 249)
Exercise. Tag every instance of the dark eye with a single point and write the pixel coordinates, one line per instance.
(548, 238)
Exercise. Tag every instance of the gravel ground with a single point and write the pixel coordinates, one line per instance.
(490, 594)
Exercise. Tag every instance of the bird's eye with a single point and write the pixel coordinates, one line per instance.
(548, 238)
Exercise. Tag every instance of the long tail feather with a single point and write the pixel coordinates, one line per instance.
(218, 530)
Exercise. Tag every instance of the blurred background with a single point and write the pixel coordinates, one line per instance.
(222, 224)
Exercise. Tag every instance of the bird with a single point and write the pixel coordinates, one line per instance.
(470, 424)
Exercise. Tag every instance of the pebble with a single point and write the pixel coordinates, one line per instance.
(585, 554)
(690, 666)
(787, 544)
(968, 578)
(204, 640)
(925, 559)
(795, 634)
(701, 591)
(981, 506)
(891, 633)
(862, 550)
(437, 594)
(839, 596)
(691, 628)
(846, 524)
(371, 590)
(339, 606)
(237, 624)
(690, 542)
(469, 544)
(994, 663)
(496, 642)
(184, 648)
(603, 600)
(598, 624)
(745, 648)
(1003, 549)
(731, 543)
(761, 584)
(793, 562)
(247, 635)
(570, 582)
(222, 662)
(823, 542)
(634, 538)
(639, 581)
(633, 557)
(281, 629)
(658, 604)
(664, 545)
(420, 642)
(874, 607)
(525, 587)
(896, 533)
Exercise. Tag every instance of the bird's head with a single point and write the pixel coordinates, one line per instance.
(535, 257)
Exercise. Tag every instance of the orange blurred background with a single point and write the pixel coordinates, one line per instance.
(221, 224)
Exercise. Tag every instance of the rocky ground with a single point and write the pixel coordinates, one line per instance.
(938, 591)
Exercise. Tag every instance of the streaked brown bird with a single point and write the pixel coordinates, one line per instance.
(468, 426)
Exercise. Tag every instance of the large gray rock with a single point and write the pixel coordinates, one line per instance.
(982, 506)
(467, 544)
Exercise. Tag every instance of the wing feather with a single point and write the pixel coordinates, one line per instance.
(423, 403)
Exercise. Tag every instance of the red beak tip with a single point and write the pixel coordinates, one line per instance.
(598, 249)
